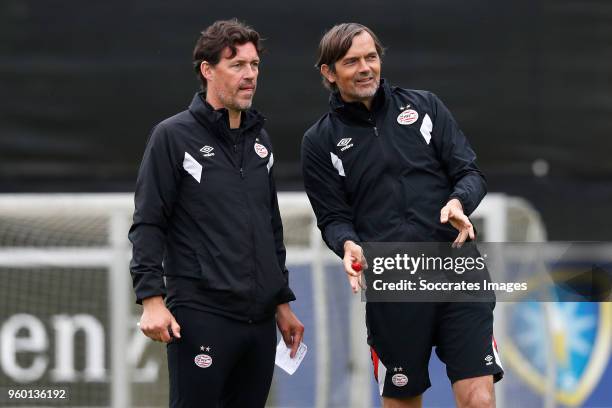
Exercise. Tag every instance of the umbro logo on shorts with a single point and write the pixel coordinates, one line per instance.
(489, 359)
(207, 151)
(344, 144)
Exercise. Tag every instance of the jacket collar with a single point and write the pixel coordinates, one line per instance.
(207, 115)
(357, 110)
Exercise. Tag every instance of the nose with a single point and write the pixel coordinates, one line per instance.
(250, 72)
(363, 65)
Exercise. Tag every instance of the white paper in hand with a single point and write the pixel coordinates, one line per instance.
(284, 360)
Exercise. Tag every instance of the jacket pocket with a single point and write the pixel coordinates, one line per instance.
(211, 272)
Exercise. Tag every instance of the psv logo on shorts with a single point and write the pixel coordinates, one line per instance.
(261, 150)
(407, 117)
(203, 360)
(399, 380)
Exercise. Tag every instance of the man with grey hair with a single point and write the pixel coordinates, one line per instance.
(388, 164)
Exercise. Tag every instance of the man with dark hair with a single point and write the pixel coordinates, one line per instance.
(388, 164)
(207, 220)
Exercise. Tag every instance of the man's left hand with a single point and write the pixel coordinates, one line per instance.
(290, 327)
(453, 212)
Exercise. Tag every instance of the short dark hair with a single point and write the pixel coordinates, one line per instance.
(335, 44)
(215, 38)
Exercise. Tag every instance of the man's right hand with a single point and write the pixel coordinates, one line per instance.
(353, 253)
(156, 320)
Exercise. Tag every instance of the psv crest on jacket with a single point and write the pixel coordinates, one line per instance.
(206, 206)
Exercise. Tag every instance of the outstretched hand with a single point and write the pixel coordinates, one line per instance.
(453, 212)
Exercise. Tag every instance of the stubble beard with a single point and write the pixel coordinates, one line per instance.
(366, 93)
(232, 102)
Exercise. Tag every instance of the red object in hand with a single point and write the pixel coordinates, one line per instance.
(356, 266)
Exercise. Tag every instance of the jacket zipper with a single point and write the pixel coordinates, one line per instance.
(373, 123)
(251, 230)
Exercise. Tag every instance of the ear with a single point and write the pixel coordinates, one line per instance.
(328, 73)
(207, 70)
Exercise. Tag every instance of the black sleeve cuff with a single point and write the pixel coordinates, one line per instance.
(148, 290)
(285, 296)
(465, 203)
